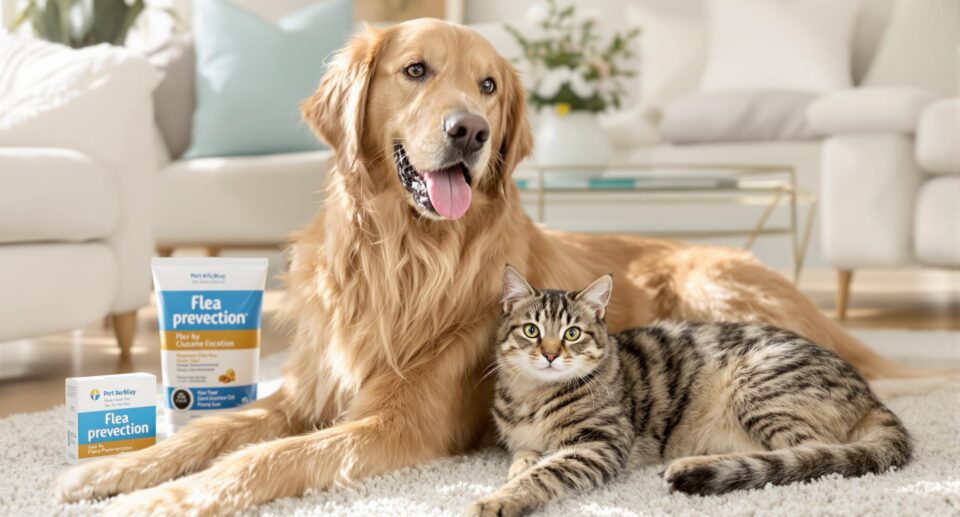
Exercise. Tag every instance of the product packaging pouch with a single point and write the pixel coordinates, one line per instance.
(209, 314)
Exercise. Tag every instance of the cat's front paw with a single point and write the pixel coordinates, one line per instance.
(495, 506)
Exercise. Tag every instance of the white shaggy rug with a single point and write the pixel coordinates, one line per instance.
(31, 456)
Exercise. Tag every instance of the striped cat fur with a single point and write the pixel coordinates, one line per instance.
(730, 406)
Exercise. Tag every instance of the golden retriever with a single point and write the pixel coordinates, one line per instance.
(394, 288)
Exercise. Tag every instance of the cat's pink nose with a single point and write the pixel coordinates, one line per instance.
(550, 357)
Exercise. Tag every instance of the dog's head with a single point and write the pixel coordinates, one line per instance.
(427, 108)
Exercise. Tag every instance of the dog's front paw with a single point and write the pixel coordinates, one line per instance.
(96, 480)
(174, 498)
(495, 506)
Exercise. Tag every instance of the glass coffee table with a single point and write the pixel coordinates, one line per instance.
(764, 186)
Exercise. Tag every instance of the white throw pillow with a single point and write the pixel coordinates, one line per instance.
(55, 96)
(673, 50)
(743, 116)
(799, 45)
(919, 47)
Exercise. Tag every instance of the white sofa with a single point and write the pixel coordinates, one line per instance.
(891, 181)
(638, 136)
(76, 159)
(71, 248)
(235, 202)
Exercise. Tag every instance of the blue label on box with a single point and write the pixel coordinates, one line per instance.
(117, 424)
(210, 397)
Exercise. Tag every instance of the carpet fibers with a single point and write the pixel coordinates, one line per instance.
(32, 452)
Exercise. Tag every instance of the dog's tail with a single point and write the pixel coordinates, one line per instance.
(874, 366)
(880, 444)
(891, 388)
(888, 379)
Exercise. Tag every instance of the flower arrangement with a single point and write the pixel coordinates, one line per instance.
(571, 67)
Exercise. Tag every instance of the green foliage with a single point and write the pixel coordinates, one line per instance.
(80, 23)
(570, 63)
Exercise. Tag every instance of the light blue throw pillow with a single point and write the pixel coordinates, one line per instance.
(252, 75)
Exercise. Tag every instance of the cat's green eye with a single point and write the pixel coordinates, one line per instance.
(572, 334)
(531, 331)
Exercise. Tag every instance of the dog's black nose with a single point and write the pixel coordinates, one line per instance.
(467, 132)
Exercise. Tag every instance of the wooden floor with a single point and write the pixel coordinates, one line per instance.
(32, 371)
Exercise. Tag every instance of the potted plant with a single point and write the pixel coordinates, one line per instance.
(575, 75)
(79, 23)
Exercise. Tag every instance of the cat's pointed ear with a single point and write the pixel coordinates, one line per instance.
(515, 288)
(597, 295)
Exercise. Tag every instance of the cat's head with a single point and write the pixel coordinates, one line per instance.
(551, 335)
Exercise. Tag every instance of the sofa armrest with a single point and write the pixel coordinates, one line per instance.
(867, 193)
(879, 110)
(938, 138)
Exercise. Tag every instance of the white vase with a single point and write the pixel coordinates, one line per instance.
(575, 142)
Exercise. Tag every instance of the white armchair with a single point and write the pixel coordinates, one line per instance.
(72, 248)
(76, 166)
(890, 191)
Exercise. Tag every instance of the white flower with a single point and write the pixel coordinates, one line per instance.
(538, 13)
(552, 81)
(580, 86)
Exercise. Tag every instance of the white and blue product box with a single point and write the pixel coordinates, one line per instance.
(110, 414)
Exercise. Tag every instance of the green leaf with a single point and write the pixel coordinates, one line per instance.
(24, 15)
(80, 20)
(46, 23)
(516, 34)
(108, 16)
(131, 16)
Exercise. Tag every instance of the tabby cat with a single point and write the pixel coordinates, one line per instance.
(734, 406)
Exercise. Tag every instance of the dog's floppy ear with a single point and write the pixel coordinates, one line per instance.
(337, 109)
(517, 141)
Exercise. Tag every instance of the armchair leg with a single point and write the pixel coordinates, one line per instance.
(164, 252)
(125, 328)
(844, 279)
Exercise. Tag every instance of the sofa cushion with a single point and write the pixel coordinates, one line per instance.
(253, 200)
(738, 116)
(173, 100)
(937, 223)
(938, 138)
(84, 99)
(919, 47)
(796, 45)
(51, 194)
(252, 74)
(673, 44)
(869, 110)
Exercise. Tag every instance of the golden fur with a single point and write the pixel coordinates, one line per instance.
(394, 311)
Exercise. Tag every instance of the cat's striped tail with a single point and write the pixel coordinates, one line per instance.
(881, 443)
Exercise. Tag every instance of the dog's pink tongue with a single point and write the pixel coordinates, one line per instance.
(449, 192)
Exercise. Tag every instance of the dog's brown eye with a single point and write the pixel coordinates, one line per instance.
(488, 86)
(415, 71)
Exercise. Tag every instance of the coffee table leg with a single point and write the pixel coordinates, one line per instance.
(762, 222)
